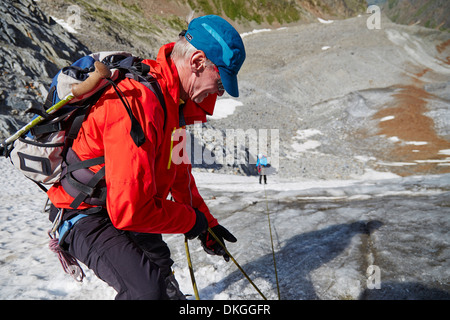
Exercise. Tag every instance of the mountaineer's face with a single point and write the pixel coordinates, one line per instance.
(205, 82)
(200, 78)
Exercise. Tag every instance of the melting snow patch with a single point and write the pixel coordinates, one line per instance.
(325, 21)
(303, 134)
(224, 108)
(308, 145)
(417, 143)
(65, 25)
(434, 161)
(364, 158)
(445, 151)
(387, 118)
(396, 164)
(394, 139)
(254, 32)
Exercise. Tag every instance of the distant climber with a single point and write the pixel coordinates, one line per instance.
(261, 165)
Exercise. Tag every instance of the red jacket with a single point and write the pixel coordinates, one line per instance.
(139, 180)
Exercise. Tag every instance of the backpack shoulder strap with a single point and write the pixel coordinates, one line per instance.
(151, 83)
(142, 75)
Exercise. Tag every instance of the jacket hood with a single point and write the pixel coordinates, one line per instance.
(163, 68)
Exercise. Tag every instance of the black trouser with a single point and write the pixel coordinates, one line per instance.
(265, 179)
(135, 265)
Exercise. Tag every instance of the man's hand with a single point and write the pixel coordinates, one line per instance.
(201, 225)
(211, 246)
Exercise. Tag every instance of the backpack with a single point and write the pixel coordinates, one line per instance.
(43, 153)
(262, 161)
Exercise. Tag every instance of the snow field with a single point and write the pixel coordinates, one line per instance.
(326, 235)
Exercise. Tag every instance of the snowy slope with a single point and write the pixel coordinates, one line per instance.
(326, 235)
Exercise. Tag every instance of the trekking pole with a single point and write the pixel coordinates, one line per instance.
(79, 89)
(235, 262)
(271, 241)
(191, 270)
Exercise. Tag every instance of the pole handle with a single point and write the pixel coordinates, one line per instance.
(101, 72)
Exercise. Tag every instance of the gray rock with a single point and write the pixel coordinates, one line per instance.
(32, 50)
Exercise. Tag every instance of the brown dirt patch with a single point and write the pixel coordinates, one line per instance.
(417, 139)
(441, 48)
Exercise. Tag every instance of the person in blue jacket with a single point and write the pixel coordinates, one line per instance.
(261, 164)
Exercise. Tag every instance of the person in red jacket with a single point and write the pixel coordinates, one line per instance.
(121, 242)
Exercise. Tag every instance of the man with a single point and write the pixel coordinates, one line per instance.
(122, 243)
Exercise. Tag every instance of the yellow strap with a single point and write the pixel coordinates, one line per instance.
(171, 147)
(191, 269)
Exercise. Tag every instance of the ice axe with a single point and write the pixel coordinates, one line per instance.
(236, 263)
(101, 72)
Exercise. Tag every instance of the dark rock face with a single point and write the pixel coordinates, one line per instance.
(32, 50)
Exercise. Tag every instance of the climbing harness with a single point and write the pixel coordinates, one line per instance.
(69, 263)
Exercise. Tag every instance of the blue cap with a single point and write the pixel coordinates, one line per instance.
(221, 44)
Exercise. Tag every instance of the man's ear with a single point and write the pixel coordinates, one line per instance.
(197, 61)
